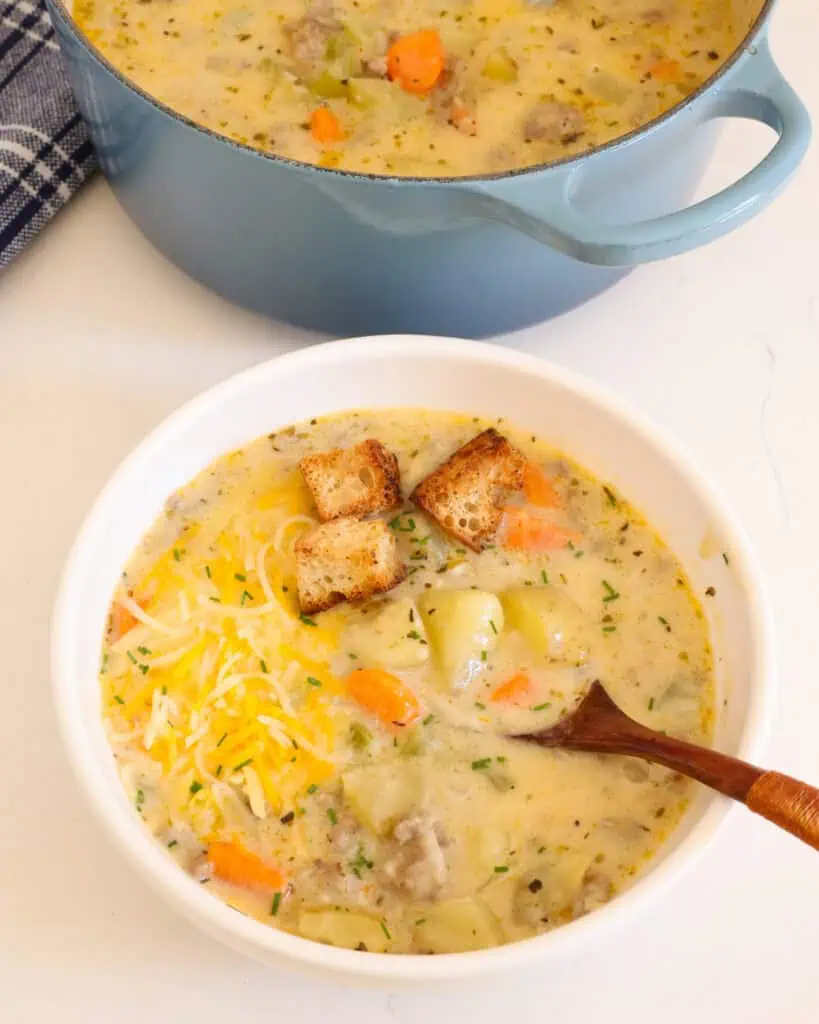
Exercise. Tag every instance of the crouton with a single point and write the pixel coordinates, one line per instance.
(463, 495)
(346, 560)
(352, 481)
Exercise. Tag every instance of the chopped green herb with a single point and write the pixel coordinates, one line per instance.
(312, 787)
(725, 558)
(429, 719)
(207, 571)
(664, 621)
(609, 629)
(541, 707)
(143, 668)
(484, 655)
(240, 576)
(361, 863)
(246, 596)
(274, 908)
(118, 699)
(360, 735)
(307, 620)
(500, 759)
(609, 493)
(414, 635)
(144, 650)
(196, 785)
(494, 627)
(579, 554)
(331, 814)
(140, 799)
(651, 704)
(611, 593)
(544, 576)
(216, 600)
(177, 554)
(570, 545)
(481, 764)
(222, 739)
(218, 770)
(312, 681)
(385, 929)
(242, 764)
(421, 920)
(501, 869)
(172, 844)
(480, 706)
(131, 657)
(263, 665)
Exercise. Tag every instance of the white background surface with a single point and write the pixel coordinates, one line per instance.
(100, 338)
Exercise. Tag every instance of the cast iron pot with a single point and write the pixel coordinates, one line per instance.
(354, 254)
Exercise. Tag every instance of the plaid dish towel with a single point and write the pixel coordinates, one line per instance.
(45, 154)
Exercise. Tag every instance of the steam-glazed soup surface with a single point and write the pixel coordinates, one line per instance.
(462, 87)
(315, 655)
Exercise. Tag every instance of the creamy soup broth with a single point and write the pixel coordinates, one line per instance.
(449, 88)
(231, 720)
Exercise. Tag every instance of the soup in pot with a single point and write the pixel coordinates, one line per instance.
(316, 656)
(461, 87)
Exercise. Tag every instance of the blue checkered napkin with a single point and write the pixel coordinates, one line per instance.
(45, 154)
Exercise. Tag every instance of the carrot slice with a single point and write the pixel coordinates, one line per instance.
(324, 126)
(514, 687)
(523, 530)
(538, 488)
(666, 70)
(120, 621)
(384, 695)
(231, 863)
(416, 61)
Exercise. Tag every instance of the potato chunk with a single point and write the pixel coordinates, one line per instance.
(461, 624)
(456, 926)
(551, 623)
(349, 929)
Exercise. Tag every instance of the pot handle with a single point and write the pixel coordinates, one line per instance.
(756, 90)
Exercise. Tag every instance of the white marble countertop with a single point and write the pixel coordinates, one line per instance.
(100, 338)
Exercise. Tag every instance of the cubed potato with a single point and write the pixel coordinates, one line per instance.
(380, 794)
(460, 625)
(550, 622)
(337, 926)
(551, 888)
(456, 926)
(392, 638)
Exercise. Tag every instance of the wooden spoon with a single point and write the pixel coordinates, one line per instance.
(597, 725)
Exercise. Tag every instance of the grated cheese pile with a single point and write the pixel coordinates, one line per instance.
(215, 686)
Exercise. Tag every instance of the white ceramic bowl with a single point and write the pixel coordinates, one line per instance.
(594, 427)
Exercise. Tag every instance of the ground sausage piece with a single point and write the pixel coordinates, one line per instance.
(310, 35)
(552, 121)
(419, 866)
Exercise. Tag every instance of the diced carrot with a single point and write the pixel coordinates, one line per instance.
(120, 621)
(666, 70)
(324, 126)
(384, 695)
(523, 530)
(538, 488)
(416, 61)
(514, 687)
(230, 862)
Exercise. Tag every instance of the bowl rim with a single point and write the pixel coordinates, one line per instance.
(259, 940)
(755, 29)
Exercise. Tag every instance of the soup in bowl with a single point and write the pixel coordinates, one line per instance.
(314, 635)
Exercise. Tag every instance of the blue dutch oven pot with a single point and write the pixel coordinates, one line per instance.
(359, 254)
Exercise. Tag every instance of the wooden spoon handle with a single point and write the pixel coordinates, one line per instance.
(789, 803)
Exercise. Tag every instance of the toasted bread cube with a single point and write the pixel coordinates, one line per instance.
(346, 560)
(463, 495)
(353, 481)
